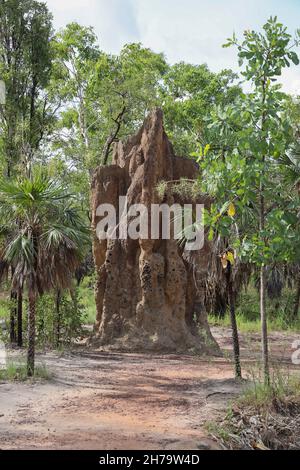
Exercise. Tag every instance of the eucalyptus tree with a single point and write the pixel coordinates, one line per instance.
(76, 53)
(42, 238)
(188, 94)
(25, 63)
(126, 87)
(105, 97)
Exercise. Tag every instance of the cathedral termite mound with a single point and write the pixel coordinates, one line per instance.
(148, 297)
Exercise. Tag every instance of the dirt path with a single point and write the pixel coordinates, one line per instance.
(105, 401)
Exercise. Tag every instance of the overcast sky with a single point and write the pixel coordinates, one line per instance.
(189, 30)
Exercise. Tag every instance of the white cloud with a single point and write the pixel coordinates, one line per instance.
(194, 30)
(184, 30)
(113, 20)
(291, 80)
(75, 10)
(189, 30)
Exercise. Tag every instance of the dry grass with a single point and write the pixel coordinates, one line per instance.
(183, 189)
(264, 418)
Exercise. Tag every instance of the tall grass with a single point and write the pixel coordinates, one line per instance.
(17, 372)
(5, 304)
(264, 416)
(87, 296)
(280, 313)
(283, 385)
(254, 326)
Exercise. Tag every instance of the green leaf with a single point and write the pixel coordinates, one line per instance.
(294, 57)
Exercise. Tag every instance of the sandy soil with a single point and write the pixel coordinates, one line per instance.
(103, 401)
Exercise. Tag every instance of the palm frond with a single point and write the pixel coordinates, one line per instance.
(20, 250)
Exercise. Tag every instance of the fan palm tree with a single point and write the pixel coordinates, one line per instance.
(290, 164)
(44, 237)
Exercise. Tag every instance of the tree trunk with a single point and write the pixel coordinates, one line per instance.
(297, 299)
(264, 326)
(113, 136)
(263, 277)
(13, 316)
(31, 334)
(58, 318)
(235, 335)
(73, 297)
(263, 282)
(82, 122)
(20, 319)
(8, 168)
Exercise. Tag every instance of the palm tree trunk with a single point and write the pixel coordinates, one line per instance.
(235, 335)
(20, 318)
(13, 316)
(58, 318)
(297, 299)
(73, 297)
(31, 334)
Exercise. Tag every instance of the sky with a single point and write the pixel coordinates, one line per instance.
(184, 30)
